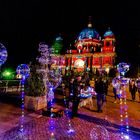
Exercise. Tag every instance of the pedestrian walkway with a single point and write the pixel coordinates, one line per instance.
(89, 125)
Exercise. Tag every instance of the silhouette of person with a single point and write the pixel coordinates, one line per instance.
(100, 90)
(76, 98)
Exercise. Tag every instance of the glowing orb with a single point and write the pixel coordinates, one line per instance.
(23, 70)
(3, 54)
(123, 68)
(79, 63)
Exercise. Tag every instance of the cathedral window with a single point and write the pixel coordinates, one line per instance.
(107, 43)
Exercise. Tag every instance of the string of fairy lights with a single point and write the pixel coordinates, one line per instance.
(52, 85)
(51, 119)
(24, 71)
(124, 120)
(22, 106)
(124, 112)
(70, 129)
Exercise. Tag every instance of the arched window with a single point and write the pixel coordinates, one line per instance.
(107, 43)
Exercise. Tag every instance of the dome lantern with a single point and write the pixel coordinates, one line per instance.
(89, 23)
(108, 34)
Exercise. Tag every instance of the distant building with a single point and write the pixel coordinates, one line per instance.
(89, 53)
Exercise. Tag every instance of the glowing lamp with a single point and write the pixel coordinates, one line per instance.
(18, 76)
(107, 70)
(8, 74)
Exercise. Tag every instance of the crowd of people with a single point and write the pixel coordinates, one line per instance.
(134, 87)
(82, 87)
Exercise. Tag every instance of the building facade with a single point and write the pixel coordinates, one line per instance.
(89, 53)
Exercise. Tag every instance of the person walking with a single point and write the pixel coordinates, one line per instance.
(100, 90)
(132, 89)
(76, 98)
(69, 95)
(138, 87)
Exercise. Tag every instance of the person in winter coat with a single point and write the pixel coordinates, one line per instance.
(100, 90)
(132, 89)
(138, 87)
(76, 98)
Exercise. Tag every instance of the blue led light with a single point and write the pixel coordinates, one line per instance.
(24, 70)
(3, 54)
(108, 33)
(89, 33)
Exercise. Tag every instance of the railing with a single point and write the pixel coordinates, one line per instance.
(10, 86)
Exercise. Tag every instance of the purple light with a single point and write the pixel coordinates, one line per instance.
(3, 54)
(122, 68)
(70, 131)
(126, 137)
(24, 70)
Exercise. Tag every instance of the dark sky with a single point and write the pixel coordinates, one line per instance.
(25, 23)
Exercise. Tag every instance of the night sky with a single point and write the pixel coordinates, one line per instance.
(25, 23)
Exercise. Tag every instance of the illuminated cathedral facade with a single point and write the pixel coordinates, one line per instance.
(89, 53)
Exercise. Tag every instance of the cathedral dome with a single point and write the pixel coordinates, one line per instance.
(88, 37)
(109, 34)
(89, 33)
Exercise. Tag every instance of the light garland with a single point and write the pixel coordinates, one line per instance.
(70, 129)
(24, 71)
(22, 134)
(22, 106)
(124, 113)
(52, 127)
(122, 69)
